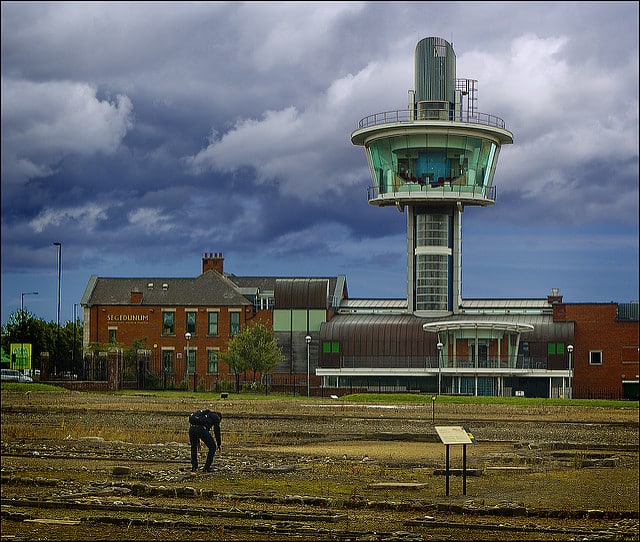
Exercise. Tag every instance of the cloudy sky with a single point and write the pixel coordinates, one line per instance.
(142, 135)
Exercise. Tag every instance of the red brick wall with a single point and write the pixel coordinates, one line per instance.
(139, 322)
(596, 328)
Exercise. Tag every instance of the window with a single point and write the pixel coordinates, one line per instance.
(432, 230)
(167, 361)
(449, 161)
(191, 322)
(168, 323)
(555, 348)
(432, 282)
(112, 334)
(212, 362)
(595, 357)
(191, 360)
(212, 323)
(330, 347)
(234, 323)
(265, 302)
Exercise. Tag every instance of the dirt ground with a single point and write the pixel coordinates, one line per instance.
(80, 466)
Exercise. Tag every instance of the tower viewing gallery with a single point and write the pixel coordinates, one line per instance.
(431, 160)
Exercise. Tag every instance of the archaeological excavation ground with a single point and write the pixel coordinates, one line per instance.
(102, 466)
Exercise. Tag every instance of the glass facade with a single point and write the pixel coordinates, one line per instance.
(433, 260)
(432, 282)
(463, 164)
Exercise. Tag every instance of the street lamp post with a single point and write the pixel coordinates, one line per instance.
(570, 350)
(73, 351)
(439, 345)
(22, 320)
(308, 341)
(58, 246)
(187, 336)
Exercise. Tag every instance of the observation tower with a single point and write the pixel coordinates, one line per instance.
(432, 159)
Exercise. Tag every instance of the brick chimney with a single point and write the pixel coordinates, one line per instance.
(554, 297)
(559, 308)
(136, 298)
(213, 261)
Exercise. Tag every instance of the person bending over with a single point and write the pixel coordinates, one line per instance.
(201, 422)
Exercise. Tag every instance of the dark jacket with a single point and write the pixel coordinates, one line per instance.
(208, 419)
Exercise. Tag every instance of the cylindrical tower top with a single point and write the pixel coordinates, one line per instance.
(435, 71)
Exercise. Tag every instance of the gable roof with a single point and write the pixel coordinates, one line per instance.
(210, 288)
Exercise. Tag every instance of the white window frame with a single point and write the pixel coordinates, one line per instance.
(591, 353)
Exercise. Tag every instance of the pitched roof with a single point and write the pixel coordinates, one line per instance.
(210, 288)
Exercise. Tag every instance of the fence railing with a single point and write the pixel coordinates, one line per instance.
(431, 362)
(415, 115)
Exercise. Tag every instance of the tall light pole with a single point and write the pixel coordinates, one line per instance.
(73, 350)
(439, 345)
(22, 320)
(570, 350)
(187, 336)
(308, 341)
(58, 245)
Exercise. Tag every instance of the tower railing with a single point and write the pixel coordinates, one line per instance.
(414, 115)
(460, 192)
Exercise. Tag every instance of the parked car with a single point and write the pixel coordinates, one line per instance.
(13, 375)
(33, 373)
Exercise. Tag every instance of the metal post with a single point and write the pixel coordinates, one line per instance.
(308, 341)
(58, 246)
(73, 351)
(187, 336)
(447, 469)
(464, 469)
(570, 350)
(439, 345)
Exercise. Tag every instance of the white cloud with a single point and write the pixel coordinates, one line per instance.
(82, 218)
(45, 122)
(306, 152)
(566, 118)
(150, 220)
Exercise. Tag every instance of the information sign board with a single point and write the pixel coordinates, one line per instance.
(453, 435)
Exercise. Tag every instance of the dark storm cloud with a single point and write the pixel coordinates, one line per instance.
(143, 135)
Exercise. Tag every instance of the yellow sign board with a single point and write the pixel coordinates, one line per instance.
(20, 356)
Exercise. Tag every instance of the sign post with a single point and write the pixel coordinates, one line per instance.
(456, 435)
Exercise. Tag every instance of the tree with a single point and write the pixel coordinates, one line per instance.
(254, 348)
(22, 326)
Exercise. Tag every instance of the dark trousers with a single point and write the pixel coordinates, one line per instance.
(198, 433)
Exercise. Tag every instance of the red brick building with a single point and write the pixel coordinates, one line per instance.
(605, 356)
(185, 323)
(532, 347)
